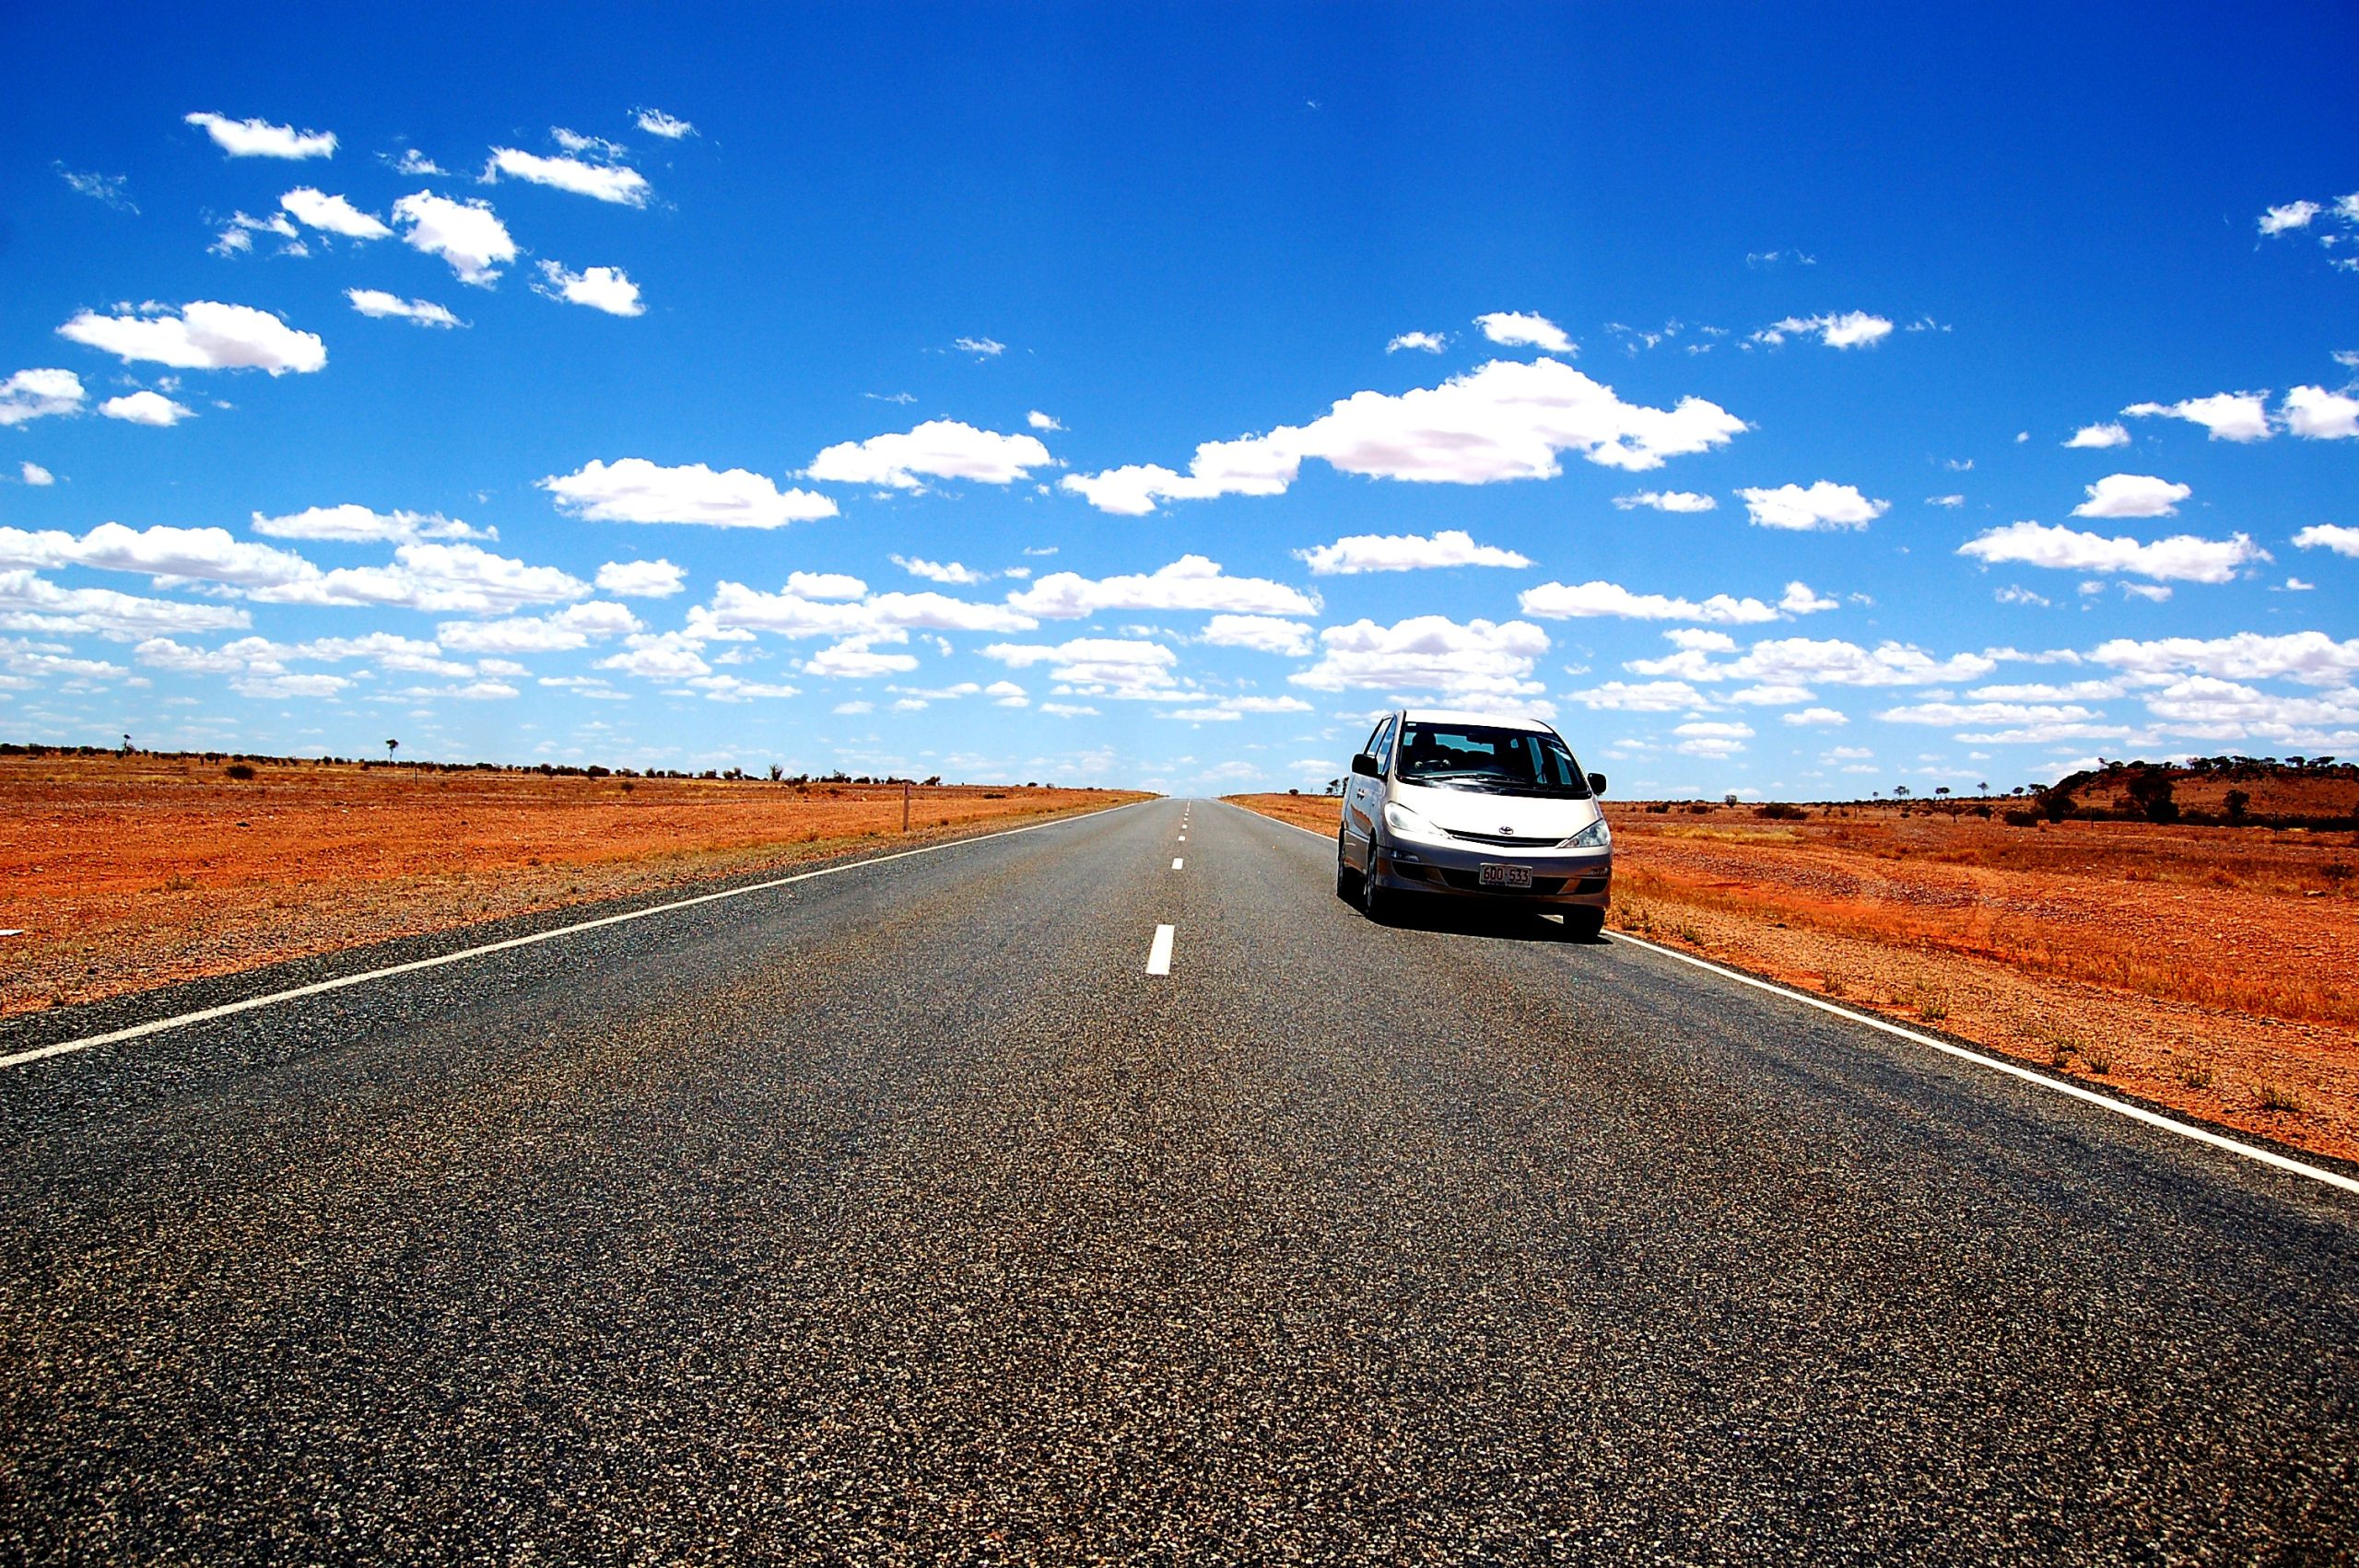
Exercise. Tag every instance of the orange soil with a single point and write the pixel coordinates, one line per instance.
(130, 873)
(2202, 968)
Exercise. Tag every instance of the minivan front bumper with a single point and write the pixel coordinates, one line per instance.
(1559, 879)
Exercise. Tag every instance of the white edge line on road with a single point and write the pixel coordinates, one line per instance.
(2269, 1157)
(1158, 953)
(226, 1010)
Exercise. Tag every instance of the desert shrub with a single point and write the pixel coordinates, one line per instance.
(1781, 811)
(2021, 816)
(1698, 808)
(2054, 804)
(2151, 792)
(2236, 802)
(239, 770)
(1658, 808)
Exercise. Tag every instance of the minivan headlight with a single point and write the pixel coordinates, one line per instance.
(1401, 819)
(1596, 835)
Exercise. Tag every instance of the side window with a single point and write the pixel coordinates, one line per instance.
(1384, 747)
(1374, 736)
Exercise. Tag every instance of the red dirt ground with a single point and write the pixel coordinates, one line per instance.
(130, 873)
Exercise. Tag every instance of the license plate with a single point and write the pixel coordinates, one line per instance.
(1494, 875)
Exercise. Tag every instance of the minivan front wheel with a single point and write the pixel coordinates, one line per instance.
(1378, 902)
(1347, 881)
(1584, 924)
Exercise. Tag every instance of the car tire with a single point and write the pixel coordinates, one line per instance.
(1347, 881)
(1584, 925)
(1378, 902)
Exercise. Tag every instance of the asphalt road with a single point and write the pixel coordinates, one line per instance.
(902, 1215)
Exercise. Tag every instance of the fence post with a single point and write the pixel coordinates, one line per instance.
(905, 805)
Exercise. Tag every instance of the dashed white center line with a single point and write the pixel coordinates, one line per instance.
(1174, 863)
(1183, 838)
(1158, 956)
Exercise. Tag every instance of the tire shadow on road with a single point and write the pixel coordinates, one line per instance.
(1447, 916)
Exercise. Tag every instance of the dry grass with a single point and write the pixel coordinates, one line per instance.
(2205, 968)
(137, 872)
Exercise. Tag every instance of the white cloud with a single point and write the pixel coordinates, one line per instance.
(1813, 718)
(606, 182)
(2181, 559)
(412, 161)
(108, 189)
(1507, 419)
(38, 394)
(1191, 582)
(204, 335)
(238, 235)
(462, 580)
(2329, 536)
(737, 607)
(853, 659)
(942, 449)
(2220, 710)
(34, 474)
(2052, 719)
(1807, 661)
(2108, 435)
(332, 213)
(259, 138)
(940, 571)
(1478, 661)
(1520, 329)
(2011, 594)
(1823, 504)
(33, 603)
(469, 235)
(1852, 329)
(2312, 658)
(353, 523)
(1263, 634)
(1667, 501)
(1040, 421)
(1950, 500)
(2131, 494)
(1425, 341)
(2319, 415)
(207, 554)
(2230, 416)
(981, 347)
(655, 123)
(632, 489)
(602, 289)
(1101, 667)
(1556, 601)
(576, 625)
(641, 580)
(596, 147)
(1405, 552)
(2292, 215)
(1233, 707)
(147, 408)
(376, 302)
(826, 585)
(1645, 697)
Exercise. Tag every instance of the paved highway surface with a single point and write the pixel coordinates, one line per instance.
(903, 1215)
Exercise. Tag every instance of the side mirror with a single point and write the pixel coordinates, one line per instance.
(1597, 783)
(1365, 765)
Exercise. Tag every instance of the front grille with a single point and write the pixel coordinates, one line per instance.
(1504, 840)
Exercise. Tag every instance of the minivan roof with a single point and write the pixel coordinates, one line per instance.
(1469, 716)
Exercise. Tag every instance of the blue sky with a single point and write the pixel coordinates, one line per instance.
(1108, 395)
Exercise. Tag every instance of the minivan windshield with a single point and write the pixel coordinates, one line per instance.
(1491, 759)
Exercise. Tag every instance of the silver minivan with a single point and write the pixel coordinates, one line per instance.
(1472, 805)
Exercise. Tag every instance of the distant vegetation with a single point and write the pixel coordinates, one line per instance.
(246, 761)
